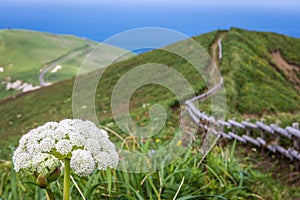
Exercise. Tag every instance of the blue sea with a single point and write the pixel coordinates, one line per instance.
(98, 21)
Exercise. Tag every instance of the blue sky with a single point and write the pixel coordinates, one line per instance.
(272, 3)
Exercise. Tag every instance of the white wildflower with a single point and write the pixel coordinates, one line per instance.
(103, 133)
(89, 124)
(47, 144)
(83, 130)
(60, 133)
(114, 159)
(38, 130)
(92, 146)
(31, 142)
(41, 135)
(68, 124)
(81, 141)
(63, 147)
(34, 148)
(103, 160)
(76, 139)
(50, 125)
(48, 134)
(21, 160)
(24, 139)
(99, 134)
(44, 163)
(34, 132)
(107, 145)
(82, 162)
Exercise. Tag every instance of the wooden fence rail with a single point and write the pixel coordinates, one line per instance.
(270, 136)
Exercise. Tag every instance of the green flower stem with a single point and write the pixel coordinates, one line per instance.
(49, 193)
(67, 173)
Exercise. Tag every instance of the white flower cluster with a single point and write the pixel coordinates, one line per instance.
(83, 142)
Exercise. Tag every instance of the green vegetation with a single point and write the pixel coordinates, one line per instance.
(219, 176)
(254, 86)
(55, 101)
(23, 54)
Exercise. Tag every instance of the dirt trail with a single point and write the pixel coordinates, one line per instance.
(289, 70)
(216, 48)
(279, 167)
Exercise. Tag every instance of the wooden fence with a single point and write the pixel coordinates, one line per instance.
(256, 133)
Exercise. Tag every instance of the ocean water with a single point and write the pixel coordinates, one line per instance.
(98, 21)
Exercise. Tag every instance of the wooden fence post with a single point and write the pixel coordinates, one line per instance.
(248, 130)
(262, 132)
(233, 128)
(278, 136)
(296, 140)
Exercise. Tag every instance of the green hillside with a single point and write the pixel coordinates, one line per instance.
(24, 54)
(254, 82)
(255, 86)
(55, 100)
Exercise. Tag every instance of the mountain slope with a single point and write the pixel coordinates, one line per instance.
(254, 82)
(254, 86)
(31, 59)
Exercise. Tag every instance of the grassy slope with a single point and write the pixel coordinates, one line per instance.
(24, 53)
(54, 102)
(240, 58)
(252, 84)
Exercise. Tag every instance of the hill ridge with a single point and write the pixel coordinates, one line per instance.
(253, 87)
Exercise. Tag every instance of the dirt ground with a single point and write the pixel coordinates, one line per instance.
(281, 168)
(288, 69)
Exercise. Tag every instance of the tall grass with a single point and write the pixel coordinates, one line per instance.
(220, 176)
